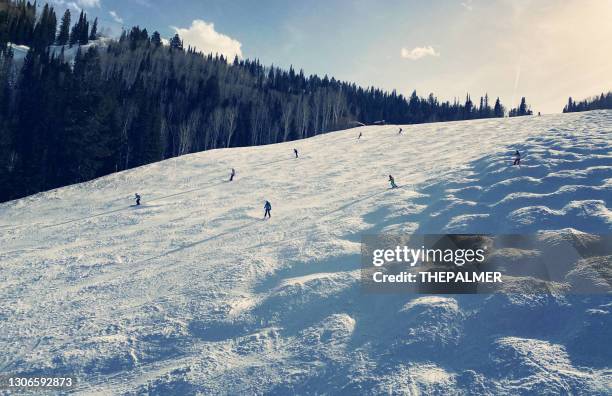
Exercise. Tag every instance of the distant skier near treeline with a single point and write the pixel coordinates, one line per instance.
(360, 135)
(232, 175)
(400, 131)
(137, 197)
(392, 182)
(517, 158)
(268, 209)
(296, 153)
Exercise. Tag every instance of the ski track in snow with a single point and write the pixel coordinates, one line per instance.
(194, 292)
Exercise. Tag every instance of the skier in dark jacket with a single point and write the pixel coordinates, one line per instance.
(232, 175)
(400, 131)
(296, 153)
(517, 158)
(268, 209)
(392, 181)
(137, 197)
(360, 135)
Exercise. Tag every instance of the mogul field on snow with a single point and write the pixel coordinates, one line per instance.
(190, 291)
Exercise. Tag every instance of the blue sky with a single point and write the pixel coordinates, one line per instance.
(546, 50)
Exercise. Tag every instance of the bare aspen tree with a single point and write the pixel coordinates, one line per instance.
(231, 116)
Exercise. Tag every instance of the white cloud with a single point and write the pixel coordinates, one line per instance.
(74, 6)
(116, 16)
(418, 52)
(79, 4)
(202, 35)
(468, 5)
(88, 3)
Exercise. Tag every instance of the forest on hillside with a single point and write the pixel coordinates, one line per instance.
(134, 100)
(601, 102)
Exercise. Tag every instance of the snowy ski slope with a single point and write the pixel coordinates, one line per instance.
(193, 292)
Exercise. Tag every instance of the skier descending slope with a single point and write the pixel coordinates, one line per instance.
(360, 135)
(392, 182)
(267, 208)
(137, 197)
(517, 158)
(400, 131)
(296, 153)
(232, 175)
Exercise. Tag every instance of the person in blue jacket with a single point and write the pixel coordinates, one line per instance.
(268, 209)
(517, 158)
(392, 182)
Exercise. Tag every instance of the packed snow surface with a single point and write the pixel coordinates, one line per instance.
(69, 52)
(194, 293)
(19, 51)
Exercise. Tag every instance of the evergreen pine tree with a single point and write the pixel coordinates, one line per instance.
(80, 31)
(84, 31)
(468, 107)
(569, 107)
(93, 35)
(522, 107)
(88, 120)
(156, 39)
(176, 42)
(75, 32)
(44, 30)
(498, 109)
(64, 31)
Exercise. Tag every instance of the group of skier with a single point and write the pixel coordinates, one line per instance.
(268, 205)
(361, 134)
